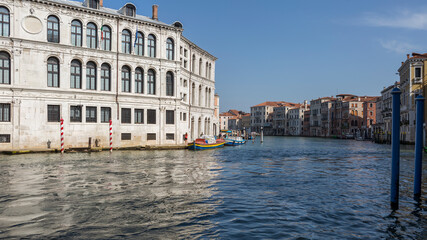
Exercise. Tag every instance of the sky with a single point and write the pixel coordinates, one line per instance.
(280, 50)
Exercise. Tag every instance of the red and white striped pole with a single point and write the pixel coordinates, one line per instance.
(111, 135)
(62, 135)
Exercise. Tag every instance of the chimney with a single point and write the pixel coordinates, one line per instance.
(402, 63)
(407, 56)
(155, 8)
(101, 3)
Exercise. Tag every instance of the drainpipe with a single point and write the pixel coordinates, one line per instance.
(117, 68)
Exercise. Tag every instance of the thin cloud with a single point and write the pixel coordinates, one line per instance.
(398, 47)
(401, 19)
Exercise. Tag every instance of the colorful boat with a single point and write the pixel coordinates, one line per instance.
(206, 142)
(234, 141)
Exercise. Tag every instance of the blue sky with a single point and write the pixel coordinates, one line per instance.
(298, 50)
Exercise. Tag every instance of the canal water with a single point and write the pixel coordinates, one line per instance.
(285, 188)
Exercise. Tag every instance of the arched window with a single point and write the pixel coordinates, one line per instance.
(76, 33)
(151, 82)
(206, 70)
(93, 4)
(210, 71)
(209, 98)
(169, 84)
(130, 10)
(126, 39)
(206, 97)
(105, 77)
(52, 72)
(151, 46)
(4, 22)
(169, 49)
(193, 94)
(139, 44)
(53, 29)
(106, 38)
(139, 80)
(91, 36)
(91, 76)
(125, 79)
(200, 95)
(76, 74)
(4, 68)
(200, 67)
(193, 67)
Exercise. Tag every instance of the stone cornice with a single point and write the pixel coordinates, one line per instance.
(213, 58)
(106, 14)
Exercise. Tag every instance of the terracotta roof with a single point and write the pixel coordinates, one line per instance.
(226, 114)
(246, 115)
(234, 112)
(271, 104)
(418, 55)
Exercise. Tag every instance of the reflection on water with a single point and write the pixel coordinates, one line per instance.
(285, 188)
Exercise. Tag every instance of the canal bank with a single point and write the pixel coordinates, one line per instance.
(95, 149)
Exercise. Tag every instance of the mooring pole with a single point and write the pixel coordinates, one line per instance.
(62, 135)
(111, 135)
(262, 135)
(395, 149)
(419, 132)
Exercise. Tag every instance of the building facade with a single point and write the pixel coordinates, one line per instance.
(262, 117)
(412, 84)
(88, 64)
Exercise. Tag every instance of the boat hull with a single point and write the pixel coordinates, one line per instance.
(196, 146)
(234, 142)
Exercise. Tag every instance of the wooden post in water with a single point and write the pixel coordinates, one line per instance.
(419, 132)
(111, 135)
(262, 135)
(62, 136)
(395, 149)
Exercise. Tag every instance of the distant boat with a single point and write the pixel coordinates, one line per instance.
(206, 142)
(234, 141)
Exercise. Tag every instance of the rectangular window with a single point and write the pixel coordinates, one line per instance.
(139, 116)
(418, 72)
(126, 136)
(151, 136)
(75, 113)
(126, 115)
(170, 117)
(151, 116)
(91, 114)
(53, 112)
(170, 136)
(4, 138)
(105, 114)
(184, 117)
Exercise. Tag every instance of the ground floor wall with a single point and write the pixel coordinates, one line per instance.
(27, 123)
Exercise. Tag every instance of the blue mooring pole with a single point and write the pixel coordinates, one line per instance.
(419, 132)
(395, 149)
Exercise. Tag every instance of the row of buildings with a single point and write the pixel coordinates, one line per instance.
(87, 64)
(345, 115)
(342, 116)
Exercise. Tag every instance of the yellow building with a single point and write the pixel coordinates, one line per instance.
(412, 83)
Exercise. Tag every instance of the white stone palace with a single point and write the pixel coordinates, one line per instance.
(86, 64)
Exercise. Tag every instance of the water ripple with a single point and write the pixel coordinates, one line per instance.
(286, 188)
